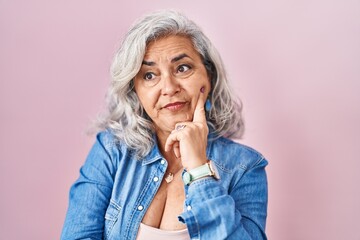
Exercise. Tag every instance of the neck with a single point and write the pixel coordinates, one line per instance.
(162, 136)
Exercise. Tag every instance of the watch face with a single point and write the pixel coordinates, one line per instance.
(186, 178)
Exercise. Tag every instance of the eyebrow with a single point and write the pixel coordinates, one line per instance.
(175, 59)
(148, 63)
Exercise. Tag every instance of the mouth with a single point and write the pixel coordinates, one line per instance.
(175, 106)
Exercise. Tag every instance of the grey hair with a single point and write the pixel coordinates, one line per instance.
(126, 118)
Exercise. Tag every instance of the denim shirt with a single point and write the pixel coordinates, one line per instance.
(114, 191)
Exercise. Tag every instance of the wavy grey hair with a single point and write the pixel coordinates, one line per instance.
(126, 118)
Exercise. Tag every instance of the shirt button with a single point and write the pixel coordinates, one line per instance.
(188, 208)
(156, 179)
(140, 208)
(162, 161)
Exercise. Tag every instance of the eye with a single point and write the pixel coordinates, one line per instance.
(183, 68)
(149, 76)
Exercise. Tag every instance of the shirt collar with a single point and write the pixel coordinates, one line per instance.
(154, 154)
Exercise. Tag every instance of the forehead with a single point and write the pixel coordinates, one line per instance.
(170, 46)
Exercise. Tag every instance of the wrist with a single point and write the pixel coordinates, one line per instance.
(195, 164)
(205, 170)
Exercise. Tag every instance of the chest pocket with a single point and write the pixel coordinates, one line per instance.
(111, 217)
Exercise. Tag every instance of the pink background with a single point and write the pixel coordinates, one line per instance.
(295, 64)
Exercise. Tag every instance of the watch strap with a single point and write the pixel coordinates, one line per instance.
(201, 171)
(197, 173)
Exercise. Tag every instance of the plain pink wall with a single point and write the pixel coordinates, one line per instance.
(295, 64)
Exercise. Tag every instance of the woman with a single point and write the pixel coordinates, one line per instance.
(162, 167)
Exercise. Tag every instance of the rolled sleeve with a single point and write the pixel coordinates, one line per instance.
(213, 212)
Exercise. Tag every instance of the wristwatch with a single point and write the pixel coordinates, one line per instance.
(206, 170)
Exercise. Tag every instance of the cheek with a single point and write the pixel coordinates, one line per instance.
(205, 79)
(205, 82)
(148, 101)
(199, 80)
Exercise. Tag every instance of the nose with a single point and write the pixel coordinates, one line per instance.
(170, 85)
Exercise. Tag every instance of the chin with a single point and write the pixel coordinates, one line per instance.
(172, 123)
(182, 118)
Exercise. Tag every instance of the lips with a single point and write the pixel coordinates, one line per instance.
(175, 106)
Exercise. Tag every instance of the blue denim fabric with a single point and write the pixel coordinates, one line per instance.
(114, 190)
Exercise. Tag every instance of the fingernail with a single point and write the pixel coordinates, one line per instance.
(202, 89)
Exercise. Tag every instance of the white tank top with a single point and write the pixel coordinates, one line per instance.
(149, 233)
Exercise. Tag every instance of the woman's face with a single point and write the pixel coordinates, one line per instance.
(169, 81)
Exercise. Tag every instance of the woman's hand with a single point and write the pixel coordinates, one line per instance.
(189, 139)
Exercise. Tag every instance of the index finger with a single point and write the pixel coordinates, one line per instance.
(199, 113)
